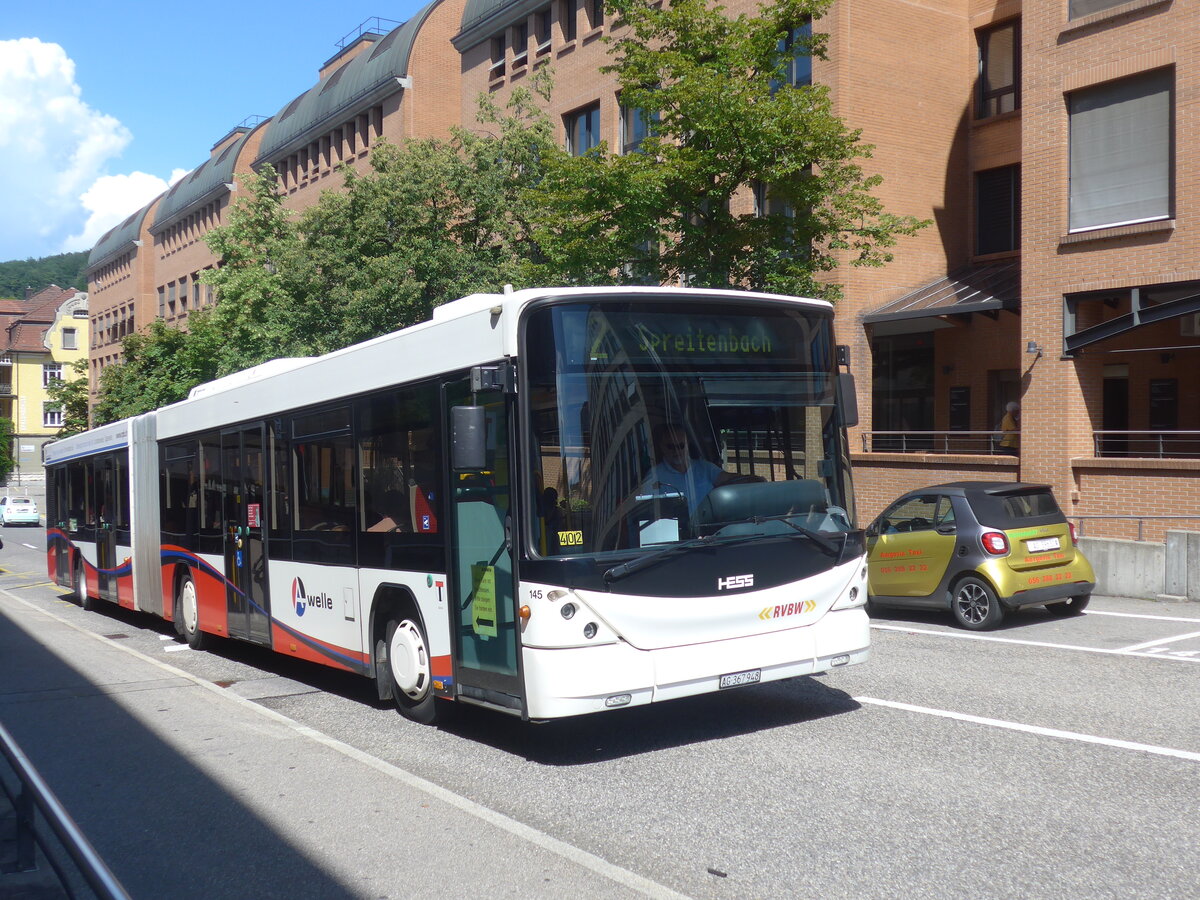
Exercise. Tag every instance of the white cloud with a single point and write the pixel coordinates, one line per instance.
(111, 199)
(53, 152)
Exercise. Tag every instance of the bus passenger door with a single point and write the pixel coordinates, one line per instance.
(106, 523)
(62, 514)
(483, 610)
(249, 606)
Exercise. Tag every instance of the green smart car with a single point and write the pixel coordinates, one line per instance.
(979, 548)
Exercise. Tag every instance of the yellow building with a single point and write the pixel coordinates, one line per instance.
(43, 335)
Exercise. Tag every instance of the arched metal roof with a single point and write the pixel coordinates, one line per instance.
(481, 18)
(369, 76)
(213, 174)
(118, 239)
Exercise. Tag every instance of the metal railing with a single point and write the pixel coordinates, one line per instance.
(969, 442)
(33, 793)
(1105, 444)
(1147, 444)
(1138, 518)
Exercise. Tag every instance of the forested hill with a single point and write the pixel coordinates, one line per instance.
(65, 270)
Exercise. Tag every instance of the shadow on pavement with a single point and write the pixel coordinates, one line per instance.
(164, 827)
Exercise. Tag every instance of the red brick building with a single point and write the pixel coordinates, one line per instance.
(1050, 145)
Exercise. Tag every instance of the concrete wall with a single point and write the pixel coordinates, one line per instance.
(1167, 571)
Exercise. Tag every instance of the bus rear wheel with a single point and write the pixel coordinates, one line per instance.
(81, 591)
(187, 614)
(407, 668)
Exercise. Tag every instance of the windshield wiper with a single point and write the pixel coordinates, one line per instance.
(816, 537)
(617, 572)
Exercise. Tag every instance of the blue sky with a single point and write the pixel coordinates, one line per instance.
(102, 106)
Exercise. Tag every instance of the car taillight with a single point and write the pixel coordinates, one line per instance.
(995, 543)
(1074, 535)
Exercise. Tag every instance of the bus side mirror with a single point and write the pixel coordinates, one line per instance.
(845, 383)
(468, 439)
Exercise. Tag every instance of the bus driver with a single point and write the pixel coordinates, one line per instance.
(678, 472)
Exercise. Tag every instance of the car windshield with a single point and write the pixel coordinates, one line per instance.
(654, 424)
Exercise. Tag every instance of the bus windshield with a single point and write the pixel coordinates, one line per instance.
(655, 423)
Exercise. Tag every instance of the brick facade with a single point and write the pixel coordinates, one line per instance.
(908, 76)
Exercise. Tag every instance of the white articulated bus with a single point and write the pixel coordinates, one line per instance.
(548, 502)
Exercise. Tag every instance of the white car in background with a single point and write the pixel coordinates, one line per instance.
(18, 511)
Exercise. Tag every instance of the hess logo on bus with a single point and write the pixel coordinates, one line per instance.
(302, 601)
(734, 582)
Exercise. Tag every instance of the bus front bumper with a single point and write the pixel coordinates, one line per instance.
(578, 680)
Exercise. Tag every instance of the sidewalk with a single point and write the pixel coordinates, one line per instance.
(189, 791)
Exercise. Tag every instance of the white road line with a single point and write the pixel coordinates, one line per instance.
(1097, 612)
(30, 546)
(176, 648)
(1166, 640)
(970, 636)
(1035, 729)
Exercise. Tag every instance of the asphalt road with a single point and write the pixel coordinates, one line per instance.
(1050, 758)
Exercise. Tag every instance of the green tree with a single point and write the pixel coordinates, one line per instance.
(7, 463)
(160, 366)
(258, 253)
(72, 398)
(727, 126)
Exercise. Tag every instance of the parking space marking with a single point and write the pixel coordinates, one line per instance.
(30, 546)
(1166, 640)
(1035, 729)
(1098, 612)
(1047, 644)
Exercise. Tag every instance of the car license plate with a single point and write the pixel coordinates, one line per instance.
(1039, 544)
(737, 679)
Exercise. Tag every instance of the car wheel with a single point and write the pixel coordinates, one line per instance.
(407, 668)
(1072, 606)
(975, 605)
(187, 614)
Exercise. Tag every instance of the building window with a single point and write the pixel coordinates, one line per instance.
(568, 19)
(51, 415)
(1080, 8)
(999, 70)
(545, 18)
(596, 12)
(69, 341)
(636, 125)
(583, 130)
(1121, 151)
(51, 372)
(497, 69)
(520, 42)
(796, 67)
(998, 210)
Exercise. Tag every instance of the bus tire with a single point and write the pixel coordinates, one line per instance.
(408, 669)
(187, 614)
(975, 605)
(80, 586)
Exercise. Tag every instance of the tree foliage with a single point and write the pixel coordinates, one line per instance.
(7, 463)
(71, 395)
(66, 270)
(728, 125)
(160, 366)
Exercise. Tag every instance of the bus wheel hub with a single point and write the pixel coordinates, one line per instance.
(409, 660)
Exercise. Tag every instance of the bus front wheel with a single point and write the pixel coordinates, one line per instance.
(408, 670)
(187, 614)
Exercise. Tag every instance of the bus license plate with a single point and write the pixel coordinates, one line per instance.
(737, 679)
(1039, 544)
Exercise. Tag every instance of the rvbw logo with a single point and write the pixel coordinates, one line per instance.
(301, 601)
